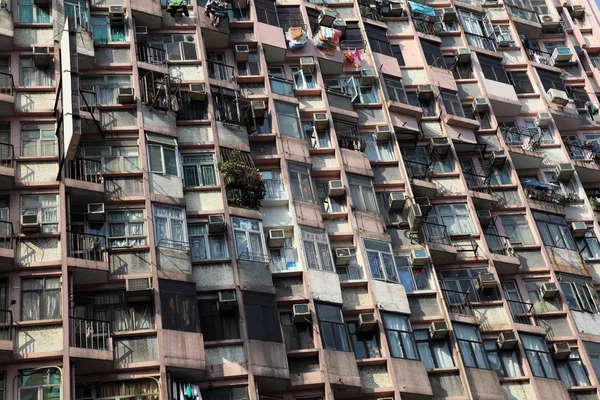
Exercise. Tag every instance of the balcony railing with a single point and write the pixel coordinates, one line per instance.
(526, 138)
(426, 26)
(220, 71)
(340, 100)
(261, 258)
(273, 189)
(457, 302)
(7, 83)
(90, 101)
(477, 182)
(282, 263)
(7, 155)
(418, 170)
(89, 334)
(435, 233)
(150, 55)
(482, 42)
(538, 56)
(7, 235)
(352, 272)
(523, 14)
(83, 169)
(582, 150)
(86, 246)
(547, 192)
(173, 244)
(522, 312)
(499, 244)
(6, 323)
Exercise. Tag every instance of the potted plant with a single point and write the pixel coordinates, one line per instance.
(243, 182)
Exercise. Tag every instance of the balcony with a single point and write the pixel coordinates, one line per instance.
(524, 315)
(7, 166)
(7, 95)
(90, 340)
(6, 335)
(87, 258)
(427, 26)
(526, 22)
(586, 159)
(150, 57)
(84, 180)
(147, 13)
(420, 175)
(7, 29)
(7, 245)
(548, 193)
(89, 113)
(458, 303)
(481, 42)
(478, 182)
(215, 32)
(538, 56)
(502, 254)
(341, 102)
(220, 72)
(436, 238)
(523, 145)
(254, 271)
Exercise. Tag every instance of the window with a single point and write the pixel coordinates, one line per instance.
(284, 258)
(46, 209)
(250, 67)
(191, 110)
(395, 89)
(124, 315)
(122, 156)
(351, 86)
(517, 229)
(30, 12)
(217, 69)
(316, 139)
(538, 356)
(77, 12)
(177, 46)
(455, 217)
(550, 80)
(34, 75)
(169, 227)
(378, 150)
(38, 140)
(126, 228)
(103, 31)
(316, 250)
(399, 336)
(301, 182)
(460, 71)
(362, 194)
(493, 69)
(103, 89)
(588, 245)
(579, 293)
(471, 346)
(378, 40)
(217, 325)
(329, 204)
(539, 304)
(463, 281)
(478, 30)
(248, 237)
(352, 38)
(571, 371)
(331, 327)
(417, 159)
(40, 299)
(381, 260)
(412, 277)
(521, 82)
(40, 384)
(2, 386)
(578, 95)
(452, 103)
(289, 16)
(433, 54)
(593, 351)
(204, 246)
(266, 12)
(554, 230)
(426, 105)
(397, 53)
(162, 155)
(199, 170)
(273, 184)
(303, 80)
(227, 393)
(365, 344)
(144, 388)
(262, 317)
(433, 353)
(506, 363)
(178, 303)
(288, 119)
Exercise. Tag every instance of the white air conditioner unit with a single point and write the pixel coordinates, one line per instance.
(484, 216)
(320, 121)
(138, 284)
(336, 188)
(507, 340)
(395, 10)
(578, 11)
(564, 171)
(498, 158)
(197, 91)
(30, 223)
(301, 313)
(216, 223)
(561, 350)
(242, 51)
(485, 281)
(367, 77)
(549, 21)
(382, 133)
(42, 56)
(95, 212)
(418, 257)
(448, 14)
(543, 119)
(424, 203)
(125, 95)
(367, 322)
(425, 92)
(258, 108)
(276, 237)
(480, 104)
(116, 15)
(439, 145)
(561, 55)
(415, 217)
(307, 64)
(548, 290)
(327, 17)
(463, 55)
(343, 256)
(141, 30)
(227, 301)
(396, 201)
(579, 228)
(438, 330)
(505, 40)
(556, 96)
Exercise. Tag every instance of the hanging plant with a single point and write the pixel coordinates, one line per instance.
(243, 182)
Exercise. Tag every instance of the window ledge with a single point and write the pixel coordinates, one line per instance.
(211, 261)
(201, 188)
(417, 293)
(122, 173)
(228, 342)
(33, 25)
(31, 159)
(40, 235)
(514, 379)
(334, 215)
(139, 332)
(581, 388)
(35, 88)
(116, 106)
(303, 353)
(126, 44)
(128, 249)
(443, 370)
(185, 62)
(490, 303)
(365, 362)
(188, 122)
(39, 322)
(551, 314)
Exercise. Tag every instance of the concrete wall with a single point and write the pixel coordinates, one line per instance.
(203, 201)
(268, 359)
(372, 377)
(25, 101)
(356, 296)
(232, 137)
(194, 134)
(324, 286)
(390, 297)
(183, 349)
(446, 385)
(39, 339)
(412, 377)
(167, 185)
(37, 171)
(253, 273)
(38, 250)
(105, 56)
(187, 72)
(423, 306)
(110, 119)
(215, 275)
(123, 188)
(29, 35)
(492, 318)
(517, 391)
(341, 366)
(484, 384)
(134, 350)
(129, 263)
(172, 260)
(551, 389)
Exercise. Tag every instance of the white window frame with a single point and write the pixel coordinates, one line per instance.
(130, 239)
(465, 227)
(42, 142)
(317, 241)
(199, 162)
(381, 250)
(208, 239)
(43, 77)
(303, 81)
(295, 169)
(365, 188)
(171, 217)
(280, 257)
(161, 44)
(163, 144)
(244, 226)
(42, 211)
(109, 153)
(374, 148)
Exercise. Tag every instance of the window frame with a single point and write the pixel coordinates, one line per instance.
(301, 182)
(266, 308)
(199, 162)
(226, 325)
(162, 148)
(501, 359)
(131, 240)
(207, 238)
(367, 346)
(171, 220)
(42, 297)
(341, 340)
(403, 339)
(317, 241)
(43, 210)
(535, 356)
(474, 348)
(434, 348)
(46, 139)
(42, 77)
(362, 192)
(290, 115)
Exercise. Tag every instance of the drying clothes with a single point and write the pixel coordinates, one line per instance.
(296, 33)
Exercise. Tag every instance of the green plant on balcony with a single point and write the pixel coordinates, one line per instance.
(243, 182)
(594, 202)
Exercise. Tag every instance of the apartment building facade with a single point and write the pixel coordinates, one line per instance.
(299, 200)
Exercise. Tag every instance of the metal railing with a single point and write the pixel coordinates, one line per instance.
(418, 170)
(273, 189)
(281, 263)
(173, 244)
(220, 71)
(254, 257)
(426, 26)
(435, 233)
(457, 302)
(86, 246)
(535, 191)
(83, 169)
(482, 42)
(477, 182)
(499, 244)
(522, 312)
(6, 323)
(523, 14)
(7, 155)
(7, 235)
(150, 55)
(352, 272)
(7, 83)
(538, 56)
(89, 334)
(90, 101)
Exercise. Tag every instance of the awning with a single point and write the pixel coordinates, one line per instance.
(549, 186)
(420, 8)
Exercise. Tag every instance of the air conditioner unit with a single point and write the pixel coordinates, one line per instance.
(561, 55)
(507, 340)
(498, 158)
(320, 121)
(301, 313)
(396, 201)
(41, 56)
(138, 284)
(556, 96)
(425, 92)
(415, 217)
(561, 350)
(95, 212)
(307, 64)
(484, 216)
(227, 301)
(564, 171)
(579, 228)
(197, 91)
(367, 322)
(543, 120)
(343, 256)
(336, 188)
(448, 15)
(116, 15)
(395, 10)
(438, 330)
(242, 51)
(486, 281)
(505, 40)
(548, 290)
(30, 223)
(326, 18)
(418, 257)
(578, 11)
(463, 55)
(439, 145)
(367, 77)
(382, 133)
(424, 203)
(125, 95)
(216, 223)
(480, 104)
(258, 108)
(549, 21)
(141, 30)
(276, 238)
